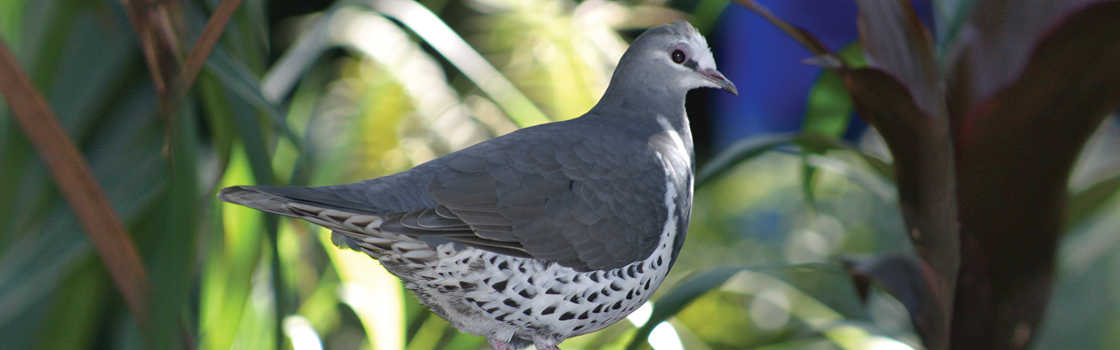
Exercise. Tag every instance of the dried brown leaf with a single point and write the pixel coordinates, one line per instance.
(77, 183)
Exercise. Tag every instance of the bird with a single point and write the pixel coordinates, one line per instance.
(547, 232)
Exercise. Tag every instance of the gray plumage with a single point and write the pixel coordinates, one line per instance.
(545, 233)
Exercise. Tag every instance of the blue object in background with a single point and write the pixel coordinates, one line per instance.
(765, 64)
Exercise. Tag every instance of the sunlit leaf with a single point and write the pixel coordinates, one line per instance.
(436, 33)
(373, 293)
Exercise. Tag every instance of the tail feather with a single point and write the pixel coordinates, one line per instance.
(356, 231)
(250, 197)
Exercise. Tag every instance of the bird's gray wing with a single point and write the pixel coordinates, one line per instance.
(585, 199)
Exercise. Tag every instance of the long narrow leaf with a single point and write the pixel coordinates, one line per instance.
(747, 149)
(77, 183)
(436, 33)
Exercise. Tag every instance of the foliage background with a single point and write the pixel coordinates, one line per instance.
(314, 93)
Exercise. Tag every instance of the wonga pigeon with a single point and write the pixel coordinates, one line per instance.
(545, 233)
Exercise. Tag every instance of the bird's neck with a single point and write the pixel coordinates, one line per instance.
(642, 105)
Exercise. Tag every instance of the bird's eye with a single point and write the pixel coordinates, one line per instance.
(678, 56)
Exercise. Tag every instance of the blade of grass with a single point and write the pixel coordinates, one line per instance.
(77, 183)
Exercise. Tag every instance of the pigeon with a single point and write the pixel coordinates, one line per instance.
(545, 233)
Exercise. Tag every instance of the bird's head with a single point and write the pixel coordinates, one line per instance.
(678, 55)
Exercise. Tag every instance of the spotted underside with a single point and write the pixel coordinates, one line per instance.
(515, 300)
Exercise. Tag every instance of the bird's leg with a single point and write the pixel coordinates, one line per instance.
(545, 345)
(497, 345)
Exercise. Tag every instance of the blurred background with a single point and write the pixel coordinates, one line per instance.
(324, 92)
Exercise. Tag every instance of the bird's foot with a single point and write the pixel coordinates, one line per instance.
(546, 347)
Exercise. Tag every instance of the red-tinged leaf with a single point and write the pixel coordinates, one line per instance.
(901, 276)
(923, 164)
(1014, 158)
(895, 40)
(1005, 33)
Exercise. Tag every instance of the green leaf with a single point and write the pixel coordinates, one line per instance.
(677, 299)
(78, 308)
(236, 76)
(749, 148)
(829, 113)
(11, 22)
(829, 110)
(1083, 204)
(705, 14)
(739, 152)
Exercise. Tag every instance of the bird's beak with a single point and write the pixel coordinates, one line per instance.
(717, 78)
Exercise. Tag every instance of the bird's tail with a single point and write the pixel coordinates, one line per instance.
(357, 231)
(287, 201)
(349, 228)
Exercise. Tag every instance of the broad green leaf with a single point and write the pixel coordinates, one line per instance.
(11, 23)
(177, 228)
(829, 109)
(80, 298)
